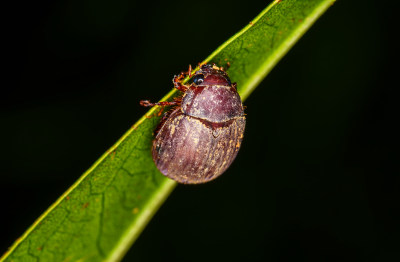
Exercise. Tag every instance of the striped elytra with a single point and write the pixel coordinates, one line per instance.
(198, 139)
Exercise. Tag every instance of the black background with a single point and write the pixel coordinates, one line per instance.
(316, 179)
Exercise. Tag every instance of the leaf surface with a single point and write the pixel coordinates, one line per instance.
(102, 214)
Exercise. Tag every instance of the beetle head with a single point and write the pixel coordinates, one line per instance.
(211, 75)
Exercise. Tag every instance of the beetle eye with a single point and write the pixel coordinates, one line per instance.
(198, 79)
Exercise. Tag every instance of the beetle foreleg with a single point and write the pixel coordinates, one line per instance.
(147, 103)
(178, 84)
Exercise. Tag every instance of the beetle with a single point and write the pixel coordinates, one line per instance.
(200, 136)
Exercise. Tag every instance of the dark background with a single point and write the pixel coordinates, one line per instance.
(316, 179)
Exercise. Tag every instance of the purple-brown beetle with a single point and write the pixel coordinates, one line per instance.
(197, 140)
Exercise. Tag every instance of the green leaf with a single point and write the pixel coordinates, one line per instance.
(102, 214)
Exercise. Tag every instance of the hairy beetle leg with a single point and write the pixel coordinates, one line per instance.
(177, 82)
(147, 103)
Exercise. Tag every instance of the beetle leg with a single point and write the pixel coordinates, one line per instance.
(147, 103)
(177, 82)
(161, 111)
(189, 72)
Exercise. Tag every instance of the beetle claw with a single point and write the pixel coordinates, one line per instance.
(145, 103)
